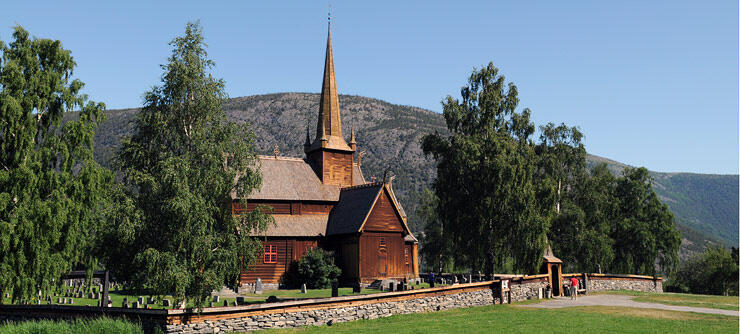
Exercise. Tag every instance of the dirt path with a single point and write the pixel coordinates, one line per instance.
(624, 301)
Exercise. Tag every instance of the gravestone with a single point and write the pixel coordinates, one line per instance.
(124, 304)
(91, 295)
(470, 277)
(454, 279)
(335, 289)
(135, 304)
(140, 300)
(240, 300)
(258, 286)
(226, 302)
(70, 301)
(150, 300)
(357, 288)
(391, 286)
(216, 298)
(210, 304)
(480, 276)
(166, 303)
(303, 288)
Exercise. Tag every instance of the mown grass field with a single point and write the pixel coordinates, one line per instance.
(517, 319)
(93, 326)
(683, 299)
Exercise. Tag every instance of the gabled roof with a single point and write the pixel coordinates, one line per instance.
(293, 179)
(297, 226)
(355, 205)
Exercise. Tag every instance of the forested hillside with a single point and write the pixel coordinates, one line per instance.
(705, 206)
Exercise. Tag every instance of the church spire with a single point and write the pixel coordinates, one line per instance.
(329, 127)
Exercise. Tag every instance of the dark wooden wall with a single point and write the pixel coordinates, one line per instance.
(383, 218)
(332, 167)
(382, 256)
(346, 248)
(337, 168)
(288, 250)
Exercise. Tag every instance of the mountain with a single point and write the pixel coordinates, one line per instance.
(705, 206)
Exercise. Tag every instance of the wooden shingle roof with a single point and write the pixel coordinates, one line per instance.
(298, 226)
(354, 205)
(293, 179)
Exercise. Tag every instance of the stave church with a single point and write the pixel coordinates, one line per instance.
(323, 200)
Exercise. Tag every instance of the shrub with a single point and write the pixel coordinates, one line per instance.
(315, 268)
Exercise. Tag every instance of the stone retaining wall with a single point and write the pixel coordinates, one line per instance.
(336, 315)
(624, 283)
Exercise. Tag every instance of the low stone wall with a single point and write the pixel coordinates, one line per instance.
(338, 314)
(605, 282)
(526, 288)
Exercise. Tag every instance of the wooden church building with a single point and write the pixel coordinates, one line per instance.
(322, 200)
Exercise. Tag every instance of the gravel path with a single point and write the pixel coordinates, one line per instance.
(625, 301)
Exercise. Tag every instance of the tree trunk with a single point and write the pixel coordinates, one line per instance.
(489, 251)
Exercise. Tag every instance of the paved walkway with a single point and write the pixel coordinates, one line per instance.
(624, 301)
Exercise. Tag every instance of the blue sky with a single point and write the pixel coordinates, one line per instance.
(650, 83)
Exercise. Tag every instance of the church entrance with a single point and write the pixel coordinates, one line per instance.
(382, 262)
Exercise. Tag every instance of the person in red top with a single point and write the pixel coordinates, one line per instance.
(573, 287)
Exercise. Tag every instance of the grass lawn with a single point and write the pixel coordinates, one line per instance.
(683, 299)
(92, 326)
(514, 319)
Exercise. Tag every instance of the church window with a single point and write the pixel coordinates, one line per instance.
(382, 241)
(270, 254)
(406, 255)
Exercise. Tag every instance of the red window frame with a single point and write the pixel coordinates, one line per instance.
(270, 254)
(406, 255)
(382, 242)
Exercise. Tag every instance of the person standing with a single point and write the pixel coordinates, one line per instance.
(573, 287)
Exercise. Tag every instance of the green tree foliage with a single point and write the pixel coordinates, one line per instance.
(315, 268)
(615, 224)
(174, 232)
(644, 231)
(485, 176)
(715, 272)
(436, 248)
(52, 192)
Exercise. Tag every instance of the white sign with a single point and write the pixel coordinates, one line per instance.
(505, 284)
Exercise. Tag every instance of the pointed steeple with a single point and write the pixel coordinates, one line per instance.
(329, 127)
